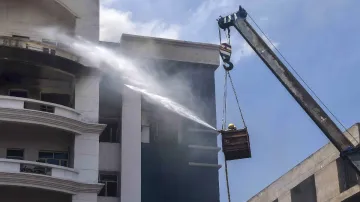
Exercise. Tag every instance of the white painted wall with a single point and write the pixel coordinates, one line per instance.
(33, 139)
(131, 147)
(87, 97)
(110, 156)
(23, 17)
(86, 157)
(87, 23)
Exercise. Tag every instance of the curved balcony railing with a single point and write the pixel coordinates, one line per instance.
(52, 48)
(23, 110)
(41, 175)
(21, 166)
(24, 103)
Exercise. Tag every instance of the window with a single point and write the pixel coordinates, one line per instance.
(305, 191)
(18, 93)
(15, 154)
(61, 99)
(111, 132)
(347, 175)
(110, 181)
(54, 158)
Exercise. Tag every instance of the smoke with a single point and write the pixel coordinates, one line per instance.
(142, 74)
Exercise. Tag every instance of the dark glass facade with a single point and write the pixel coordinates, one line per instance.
(166, 173)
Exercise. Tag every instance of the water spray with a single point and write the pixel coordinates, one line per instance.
(112, 62)
(171, 105)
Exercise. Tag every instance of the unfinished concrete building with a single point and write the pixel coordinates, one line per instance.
(322, 177)
(69, 132)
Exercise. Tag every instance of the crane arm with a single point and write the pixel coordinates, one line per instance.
(293, 86)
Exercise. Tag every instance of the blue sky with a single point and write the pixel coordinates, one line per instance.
(319, 38)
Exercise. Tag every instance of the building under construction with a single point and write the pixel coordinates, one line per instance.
(322, 177)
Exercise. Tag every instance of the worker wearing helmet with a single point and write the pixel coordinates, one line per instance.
(231, 126)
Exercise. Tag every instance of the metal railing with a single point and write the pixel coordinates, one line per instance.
(51, 48)
(25, 103)
(23, 166)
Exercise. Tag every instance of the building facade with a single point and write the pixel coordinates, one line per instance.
(70, 132)
(322, 177)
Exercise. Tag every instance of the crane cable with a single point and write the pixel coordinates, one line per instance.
(226, 75)
(307, 85)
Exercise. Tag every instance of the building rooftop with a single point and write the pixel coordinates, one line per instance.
(167, 49)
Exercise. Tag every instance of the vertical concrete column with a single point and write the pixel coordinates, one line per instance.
(86, 157)
(131, 147)
(285, 197)
(87, 22)
(87, 97)
(327, 182)
(84, 197)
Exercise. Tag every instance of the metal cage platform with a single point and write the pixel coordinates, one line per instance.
(236, 144)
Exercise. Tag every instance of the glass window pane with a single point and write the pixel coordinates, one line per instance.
(19, 153)
(18, 93)
(53, 161)
(111, 188)
(64, 163)
(46, 155)
(62, 155)
(105, 135)
(41, 161)
(104, 177)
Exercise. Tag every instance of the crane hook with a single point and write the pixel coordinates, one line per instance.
(225, 53)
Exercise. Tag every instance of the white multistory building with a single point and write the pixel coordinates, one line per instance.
(67, 133)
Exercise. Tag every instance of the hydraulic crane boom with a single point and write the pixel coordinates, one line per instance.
(299, 93)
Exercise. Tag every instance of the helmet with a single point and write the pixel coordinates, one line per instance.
(231, 126)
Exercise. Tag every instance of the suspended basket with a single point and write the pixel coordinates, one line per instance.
(236, 144)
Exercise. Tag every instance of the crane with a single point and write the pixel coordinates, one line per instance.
(238, 20)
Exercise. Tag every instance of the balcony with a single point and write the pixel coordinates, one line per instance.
(48, 47)
(24, 110)
(44, 176)
(41, 54)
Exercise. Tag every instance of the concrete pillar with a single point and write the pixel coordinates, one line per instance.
(327, 182)
(131, 147)
(86, 157)
(87, 97)
(84, 197)
(285, 197)
(87, 23)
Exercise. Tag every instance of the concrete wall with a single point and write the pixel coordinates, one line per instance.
(86, 157)
(87, 97)
(131, 147)
(87, 11)
(110, 156)
(33, 139)
(353, 134)
(175, 50)
(322, 164)
(327, 182)
(24, 17)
